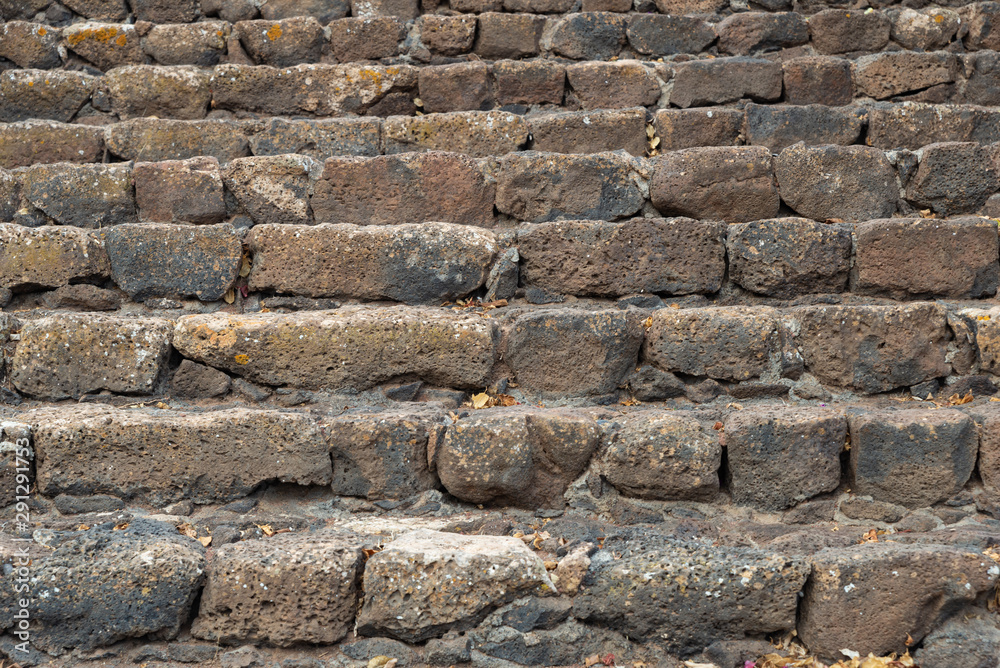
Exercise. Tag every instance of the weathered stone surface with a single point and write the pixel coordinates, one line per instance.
(39, 142)
(664, 35)
(281, 43)
(30, 45)
(777, 127)
(352, 347)
(159, 458)
(166, 260)
(846, 182)
(452, 581)
(873, 348)
(414, 263)
(309, 90)
(101, 10)
(82, 297)
(273, 189)
(787, 257)
(722, 342)
(515, 457)
(529, 82)
(65, 356)
(569, 351)
(165, 11)
(319, 139)
(912, 125)
(781, 456)
(354, 39)
(202, 44)
(818, 80)
(964, 639)
(909, 589)
(752, 32)
(180, 92)
(590, 131)
(89, 196)
(734, 184)
(180, 191)
(404, 10)
(987, 420)
(40, 94)
(303, 588)
(980, 19)
(615, 85)
(647, 383)
(476, 133)
(885, 75)
(982, 85)
(847, 30)
(105, 584)
(693, 128)
(925, 30)
(907, 258)
(324, 10)
(154, 139)
(954, 177)
(657, 255)
(106, 45)
(49, 257)
(668, 456)
(508, 35)
(665, 589)
(447, 35)
(198, 381)
(381, 455)
(721, 80)
(590, 35)
(405, 188)
(537, 187)
(457, 87)
(913, 457)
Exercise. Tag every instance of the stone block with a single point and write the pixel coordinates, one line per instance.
(41, 94)
(475, 133)
(202, 44)
(33, 258)
(818, 80)
(778, 127)
(325, 11)
(665, 35)
(615, 85)
(281, 43)
(319, 139)
(180, 92)
(30, 45)
(508, 35)
(373, 38)
(912, 125)
(590, 35)
(43, 142)
(753, 32)
(926, 29)
(695, 128)
(273, 189)
(404, 10)
(448, 35)
(885, 75)
(457, 87)
(700, 83)
(954, 177)
(529, 82)
(590, 131)
(180, 191)
(156, 139)
(106, 45)
(848, 30)
(88, 196)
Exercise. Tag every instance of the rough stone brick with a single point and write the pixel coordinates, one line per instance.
(82, 297)
(659, 35)
(982, 85)
(323, 10)
(22, 9)
(65, 356)
(970, 638)
(312, 90)
(924, 30)
(303, 588)
(40, 142)
(404, 10)
(590, 35)
(180, 191)
(751, 32)
(40, 94)
(508, 35)
(156, 139)
(457, 87)
(693, 128)
(847, 30)
(735, 184)
(476, 133)
(818, 80)
(413, 263)
(349, 348)
(382, 455)
(405, 188)
(690, 6)
(165, 260)
(570, 351)
(912, 125)
(873, 348)
(448, 35)
(665, 456)
(202, 44)
(180, 92)
(954, 177)
(781, 456)
(103, 585)
(90, 196)
(354, 39)
(523, 457)
(197, 381)
(721, 342)
(617, 85)
(886, 75)
(788, 257)
(461, 580)
(908, 258)
(165, 11)
(100, 10)
(10, 195)
(980, 18)
(987, 420)
(49, 257)
(845, 182)
(537, 187)
(721, 80)
(648, 585)
(30, 45)
(281, 43)
(537, 6)
(273, 188)
(778, 127)
(477, 6)
(607, 5)
(531, 82)
(106, 45)
(655, 255)
(319, 139)
(590, 131)
(160, 458)
(908, 589)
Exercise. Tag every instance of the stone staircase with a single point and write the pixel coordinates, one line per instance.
(499, 332)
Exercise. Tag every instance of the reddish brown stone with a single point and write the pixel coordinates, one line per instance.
(590, 35)
(847, 30)
(181, 191)
(281, 43)
(39, 142)
(474, 133)
(659, 35)
(779, 126)
(693, 128)
(41, 94)
(156, 139)
(690, 6)
(366, 39)
(273, 188)
(448, 35)
(617, 85)
(818, 80)
(508, 35)
(202, 44)
(750, 32)
(50, 257)
(529, 82)
(913, 125)
(30, 45)
(721, 80)
(538, 6)
(458, 87)
(954, 177)
(886, 75)
(165, 92)
(590, 131)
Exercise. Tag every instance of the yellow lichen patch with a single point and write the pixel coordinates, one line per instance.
(102, 35)
(242, 359)
(121, 41)
(42, 32)
(274, 32)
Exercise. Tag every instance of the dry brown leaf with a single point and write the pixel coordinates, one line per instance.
(83, 527)
(481, 400)
(506, 400)
(630, 402)
(591, 660)
(648, 322)
(245, 268)
(121, 526)
(187, 530)
(266, 528)
(205, 541)
(718, 426)
(230, 296)
(871, 536)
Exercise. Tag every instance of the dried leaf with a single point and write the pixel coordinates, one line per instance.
(205, 540)
(121, 526)
(592, 660)
(629, 402)
(648, 322)
(266, 528)
(187, 530)
(654, 143)
(481, 400)
(245, 267)
(909, 640)
(718, 426)
(506, 400)
(871, 536)
(83, 527)
(608, 660)
(650, 131)
(230, 296)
